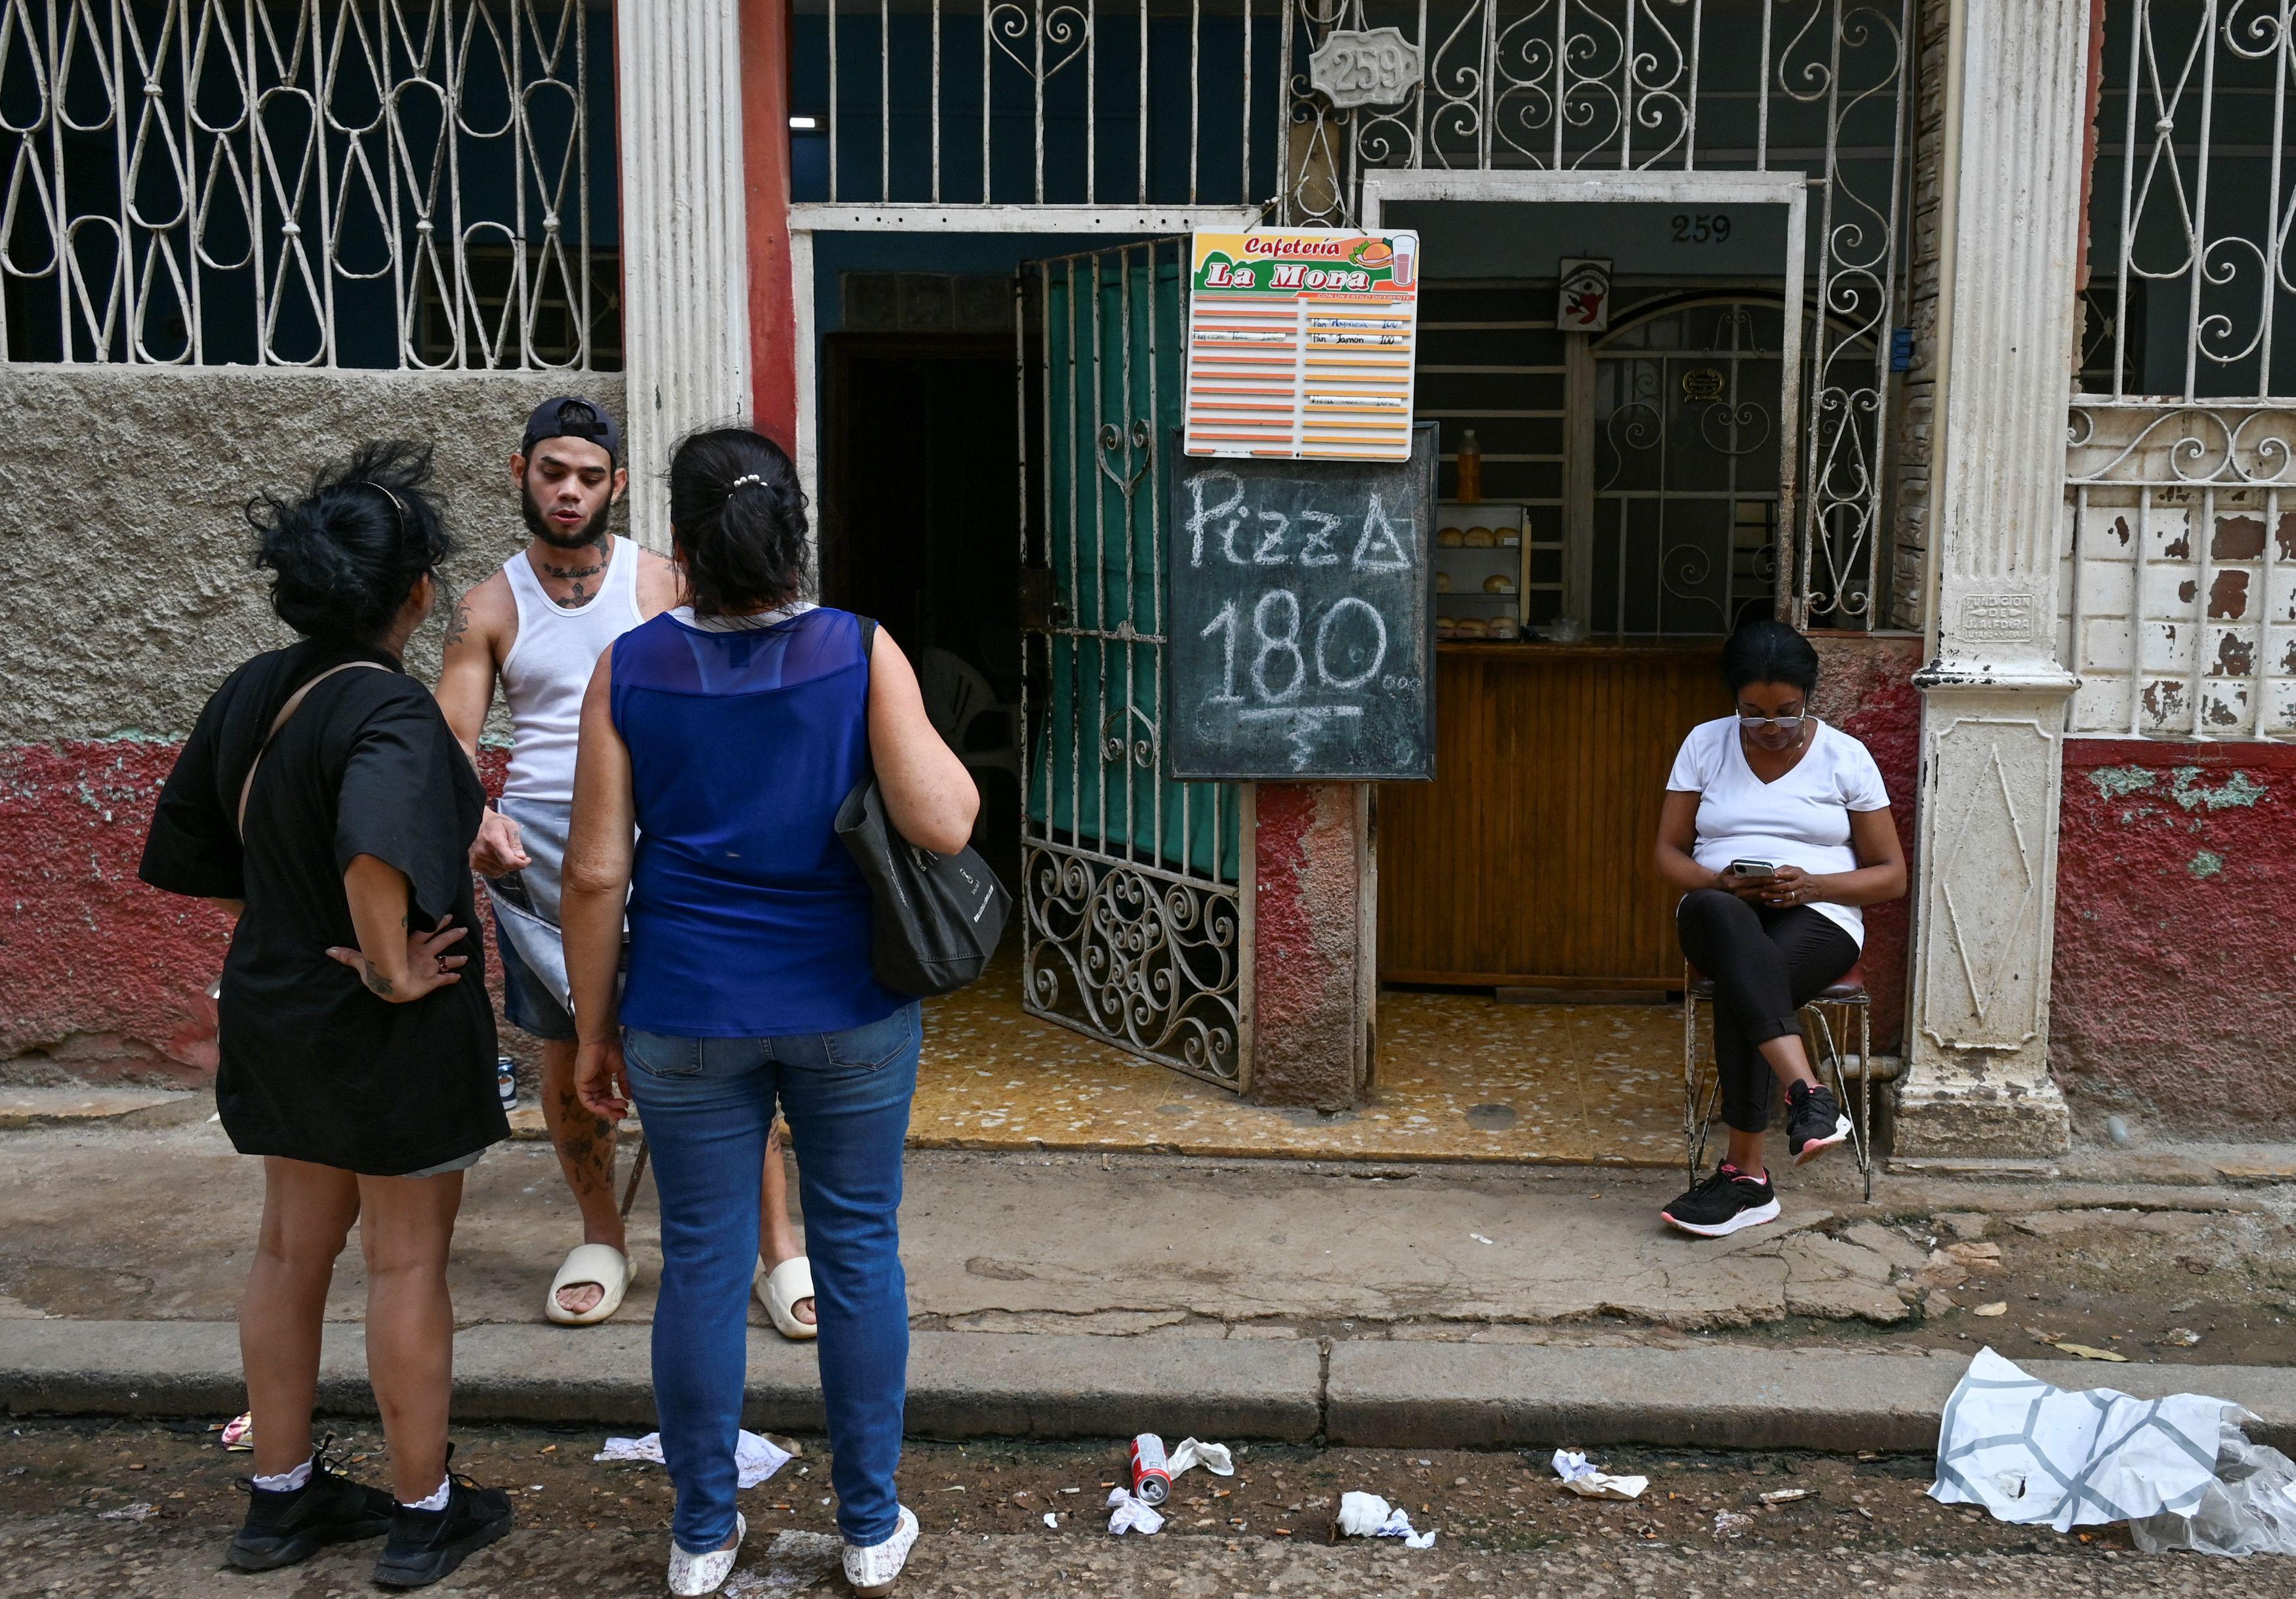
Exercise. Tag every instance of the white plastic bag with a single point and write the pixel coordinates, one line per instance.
(2036, 1455)
(2250, 1509)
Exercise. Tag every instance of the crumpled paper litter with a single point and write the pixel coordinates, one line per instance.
(1131, 1515)
(1590, 1482)
(756, 1458)
(1215, 1458)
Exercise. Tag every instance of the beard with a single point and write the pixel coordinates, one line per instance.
(591, 532)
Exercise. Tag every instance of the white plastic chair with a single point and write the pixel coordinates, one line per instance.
(958, 699)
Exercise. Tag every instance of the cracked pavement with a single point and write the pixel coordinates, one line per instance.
(132, 1223)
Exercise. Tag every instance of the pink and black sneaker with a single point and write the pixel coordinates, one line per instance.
(1814, 1122)
(1724, 1204)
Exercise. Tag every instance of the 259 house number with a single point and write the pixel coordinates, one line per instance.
(1701, 227)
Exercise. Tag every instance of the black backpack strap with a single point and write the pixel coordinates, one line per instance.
(868, 635)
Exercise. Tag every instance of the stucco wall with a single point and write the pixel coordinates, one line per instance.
(2174, 983)
(129, 595)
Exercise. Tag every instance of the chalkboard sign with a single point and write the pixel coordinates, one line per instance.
(1299, 618)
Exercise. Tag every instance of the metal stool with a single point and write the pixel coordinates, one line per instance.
(1702, 1091)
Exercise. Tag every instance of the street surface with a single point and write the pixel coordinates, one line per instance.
(144, 1510)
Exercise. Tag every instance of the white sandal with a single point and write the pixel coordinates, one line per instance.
(779, 1291)
(602, 1264)
(696, 1574)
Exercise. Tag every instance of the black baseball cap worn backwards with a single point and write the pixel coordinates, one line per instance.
(571, 416)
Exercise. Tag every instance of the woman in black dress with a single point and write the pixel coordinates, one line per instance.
(322, 800)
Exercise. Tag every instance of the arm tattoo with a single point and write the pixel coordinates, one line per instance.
(376, 980)
(458, 624)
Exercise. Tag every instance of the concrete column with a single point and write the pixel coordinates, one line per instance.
(1314, 981)
(1993, 693)
(685, 324)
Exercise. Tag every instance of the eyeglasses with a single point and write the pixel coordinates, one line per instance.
(1783, 724)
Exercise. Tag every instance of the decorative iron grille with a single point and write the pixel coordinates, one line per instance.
(312, 183)
(1133, 924)
(1000, 103)
(1147, 103)
(1632, 85)
(2181, 581)
(1686, 469)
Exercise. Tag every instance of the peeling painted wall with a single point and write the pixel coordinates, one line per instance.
(1867, 689)
(130, 595)
(1306, 944)
(2175, 979)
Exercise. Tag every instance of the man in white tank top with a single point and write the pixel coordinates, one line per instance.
(539, 626)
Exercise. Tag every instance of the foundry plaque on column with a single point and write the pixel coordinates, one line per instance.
(1300, 618)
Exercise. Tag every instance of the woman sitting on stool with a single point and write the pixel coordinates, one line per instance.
(1777, 829)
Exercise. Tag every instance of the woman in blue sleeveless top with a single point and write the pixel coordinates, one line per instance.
(718, 741)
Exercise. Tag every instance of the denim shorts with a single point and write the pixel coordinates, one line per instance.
(530, 1006)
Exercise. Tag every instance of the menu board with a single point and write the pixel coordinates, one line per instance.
(1301, 344)
(1301, 638)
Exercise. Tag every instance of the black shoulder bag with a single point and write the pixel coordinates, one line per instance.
(938, 917)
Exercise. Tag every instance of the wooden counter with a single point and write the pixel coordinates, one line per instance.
(1526, 861)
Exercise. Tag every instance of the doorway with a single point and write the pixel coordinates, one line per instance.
(920, 529)
(1618, 361)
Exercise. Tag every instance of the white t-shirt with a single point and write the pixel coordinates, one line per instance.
(1800, 820)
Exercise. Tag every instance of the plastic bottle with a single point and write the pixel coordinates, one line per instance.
(1469, 464)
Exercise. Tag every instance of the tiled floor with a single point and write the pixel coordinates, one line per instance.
(1461, 1078)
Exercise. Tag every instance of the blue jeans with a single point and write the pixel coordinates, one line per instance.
(707, 1104)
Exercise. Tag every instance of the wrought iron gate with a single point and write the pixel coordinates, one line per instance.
(1134, 928)
(1686, 468)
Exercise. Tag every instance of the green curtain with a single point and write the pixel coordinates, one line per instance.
(1116, 322)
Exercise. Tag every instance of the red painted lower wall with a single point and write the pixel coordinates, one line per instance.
(2173, 994)
(1867, 689)
(109, 974)
(105, 974)
(1305, 945)
(2175, 980)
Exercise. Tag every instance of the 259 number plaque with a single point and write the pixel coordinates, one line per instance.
(1376, 66)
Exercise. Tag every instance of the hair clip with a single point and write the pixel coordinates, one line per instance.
(397, 505)
(746, 477)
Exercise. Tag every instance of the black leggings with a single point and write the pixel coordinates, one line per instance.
(1765, 964)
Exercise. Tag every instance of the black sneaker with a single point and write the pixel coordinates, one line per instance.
(283, 1527)
(1814, 1121)
(425, 1545)
(1723, 1203)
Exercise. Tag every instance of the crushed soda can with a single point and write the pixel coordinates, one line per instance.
(1151, 1471)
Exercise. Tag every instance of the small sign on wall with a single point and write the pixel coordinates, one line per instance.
(1377, 67)
(1301, 344)
(1584, 304)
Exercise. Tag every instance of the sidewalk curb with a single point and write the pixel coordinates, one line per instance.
(1373, 1393)
(961, 1384)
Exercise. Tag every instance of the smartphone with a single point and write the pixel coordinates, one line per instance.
(1753, 868)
